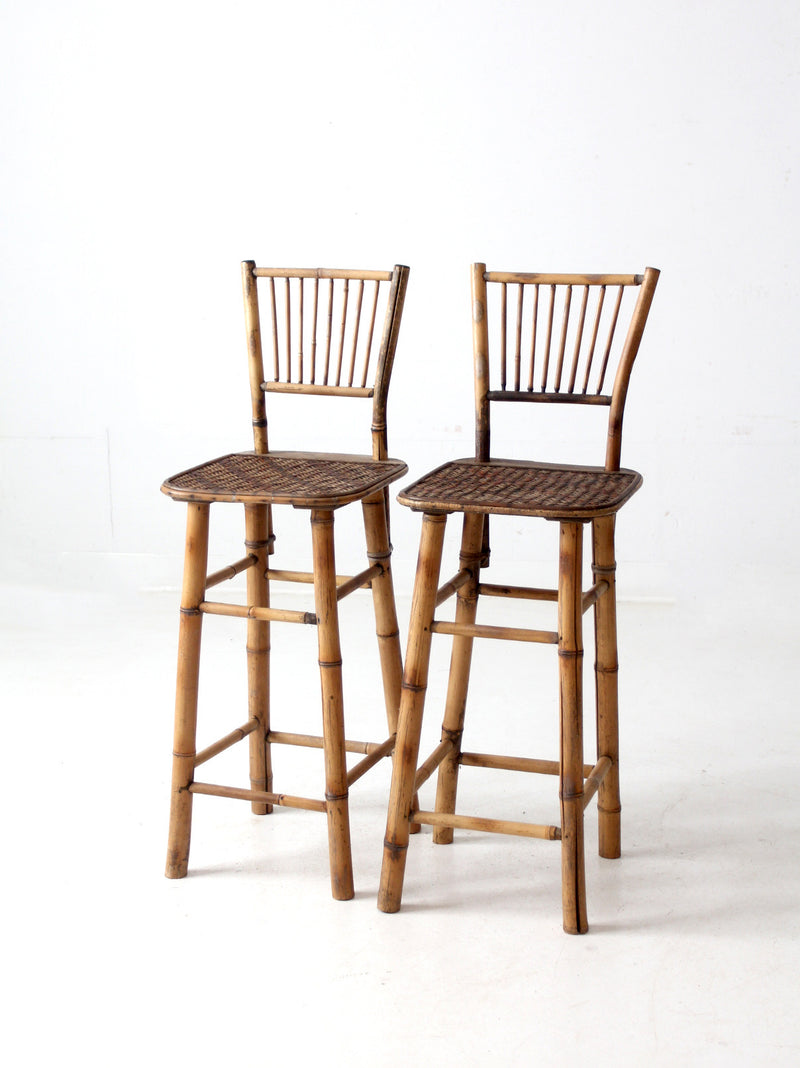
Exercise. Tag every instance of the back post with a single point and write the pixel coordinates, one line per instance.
(629, 350)
(254, 356)
(480, 348)
(397, 296)
(480, 364)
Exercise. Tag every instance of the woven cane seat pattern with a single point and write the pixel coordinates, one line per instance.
(299, 479)
(508, 487)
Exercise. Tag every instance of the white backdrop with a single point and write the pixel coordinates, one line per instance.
(146, 149)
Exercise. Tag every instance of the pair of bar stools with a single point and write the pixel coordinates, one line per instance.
(554, 338)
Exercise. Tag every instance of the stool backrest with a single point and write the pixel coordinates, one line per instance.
(557, 338)
(327, 332)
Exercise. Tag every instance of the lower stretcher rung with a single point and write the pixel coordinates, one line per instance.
(479, 630)
(226, 742)
(242, 611)
(375, 754)
(479, 823)
(264, 796)
(594, 778)
(316, 741)
(511, 763)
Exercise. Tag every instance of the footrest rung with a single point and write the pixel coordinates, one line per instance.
(276, 574)
(453, 586)
(316, 741)
(375, 754)
(478, 630)
(243, 611)
(478, 823)
(512, 763)
(424, 771)
(594, 778)
(264, 796)
(225, 743)
(593, 595)
(359, 581)
(524, 593)
(226, 573)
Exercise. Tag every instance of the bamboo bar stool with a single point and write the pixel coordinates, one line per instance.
(553, 341)
(325, 338)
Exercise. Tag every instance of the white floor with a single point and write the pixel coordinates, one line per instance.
(693, 953)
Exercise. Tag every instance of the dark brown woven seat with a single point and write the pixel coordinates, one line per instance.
(537, 338)
(322, 336)
(520, 487)
(301, 479)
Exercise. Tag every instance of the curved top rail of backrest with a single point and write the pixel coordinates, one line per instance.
(556, 338)
(323, 336)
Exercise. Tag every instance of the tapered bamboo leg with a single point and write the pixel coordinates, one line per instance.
(330, 670)
(183, 753)
(460, 660)
(606, 672)
(412, 701)
(379, 551)
(257, 526)
(570, 654)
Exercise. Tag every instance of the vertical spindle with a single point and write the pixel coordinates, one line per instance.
(314, 332)
(562, 345)
(300, 332)
(345, 293)
(329, 333)
(578, 339)
(549, 338)
(288, 337)
(274, 329)
(518, 347)
(503, 311)
(610, 341)
(356, 326)
(370, 334)
(533, 336)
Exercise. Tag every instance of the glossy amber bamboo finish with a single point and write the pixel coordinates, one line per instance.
(570, 655)
(183, 752)
(386, 626)
(560, 345)
(606, 670)
(458, 680)
(324, 336)
(415, 682)
(330, 669)
(258, 650)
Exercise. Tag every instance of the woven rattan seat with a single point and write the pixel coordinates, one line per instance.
(323, 337)
(536, 339)
(519, 487)
(284, 478)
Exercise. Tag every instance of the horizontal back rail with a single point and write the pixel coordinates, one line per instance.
(528, 278)
(321, 272)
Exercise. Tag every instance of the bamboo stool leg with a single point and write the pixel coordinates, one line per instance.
(330, 670)
(257, 527)
(415, 681)
(184, 752)
(458, 681)
(570, 654)
(379, 551)
(606, 673)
